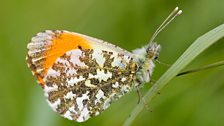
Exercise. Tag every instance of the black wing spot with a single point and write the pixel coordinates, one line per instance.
(79, 47)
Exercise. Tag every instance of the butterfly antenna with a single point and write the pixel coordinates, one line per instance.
(176, 12)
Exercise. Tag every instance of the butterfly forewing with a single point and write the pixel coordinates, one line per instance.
(80, 81)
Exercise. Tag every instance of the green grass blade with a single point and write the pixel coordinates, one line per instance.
(191, 53)
(213, 65)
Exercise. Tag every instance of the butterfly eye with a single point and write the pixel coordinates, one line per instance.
(156, 57)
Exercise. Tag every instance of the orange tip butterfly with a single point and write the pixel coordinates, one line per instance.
(81, 75)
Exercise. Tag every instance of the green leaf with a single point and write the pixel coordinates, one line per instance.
(198, 46)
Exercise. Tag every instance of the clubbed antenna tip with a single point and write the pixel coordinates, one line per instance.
(176, 12)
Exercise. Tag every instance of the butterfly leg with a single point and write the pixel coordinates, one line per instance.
(152, 82)
(165, 64)
(140, 96)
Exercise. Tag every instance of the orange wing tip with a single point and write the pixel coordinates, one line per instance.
(62, 43)
(47, 46)
(37, 49)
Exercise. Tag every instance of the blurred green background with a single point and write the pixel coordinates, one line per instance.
(190, 100)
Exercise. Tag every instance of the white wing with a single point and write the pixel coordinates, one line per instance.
(82, 81)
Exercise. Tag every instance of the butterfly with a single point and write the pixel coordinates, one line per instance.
(81, 75)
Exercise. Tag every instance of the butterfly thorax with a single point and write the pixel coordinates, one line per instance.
(145, 57)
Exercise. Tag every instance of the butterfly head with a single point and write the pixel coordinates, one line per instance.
(152, 51)
(145, 57)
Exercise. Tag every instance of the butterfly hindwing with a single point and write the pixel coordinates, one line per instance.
(81, 80)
